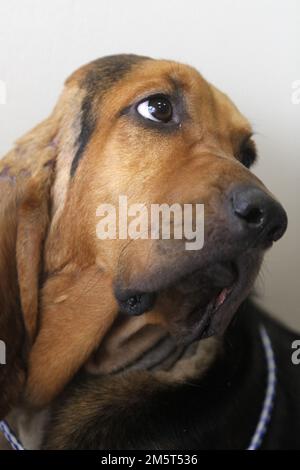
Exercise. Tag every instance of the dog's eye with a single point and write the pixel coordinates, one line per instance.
(156, 108)
(248, 153)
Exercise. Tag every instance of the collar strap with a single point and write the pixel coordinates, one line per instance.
(10, 436)
(265, 414)
(270, 394)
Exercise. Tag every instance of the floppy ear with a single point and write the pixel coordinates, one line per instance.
(32, 223)
(77, 309)
(25, 180)
(13, 344)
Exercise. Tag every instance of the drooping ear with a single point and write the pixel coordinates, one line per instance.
(32, 224)
(77, 310)
(13, 342)
(25, 182)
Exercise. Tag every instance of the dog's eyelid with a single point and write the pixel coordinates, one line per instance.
(150, 96)
(140, 99)
(245, 138)
(248, 152)
(250, 144)
(144, 96)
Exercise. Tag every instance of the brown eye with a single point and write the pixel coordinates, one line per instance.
(156, 108)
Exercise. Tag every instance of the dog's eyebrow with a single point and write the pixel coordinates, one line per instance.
(102, 75)
(172, 90)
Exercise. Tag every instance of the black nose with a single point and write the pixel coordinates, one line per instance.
(260, 216)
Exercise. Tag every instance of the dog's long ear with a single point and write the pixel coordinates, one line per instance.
(25, 182)
(32, 223)
(13, 345)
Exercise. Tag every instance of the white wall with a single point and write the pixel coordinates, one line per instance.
(248, 48)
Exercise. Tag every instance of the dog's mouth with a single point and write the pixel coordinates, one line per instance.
(202, 303)
(208, 296)
(203, 316)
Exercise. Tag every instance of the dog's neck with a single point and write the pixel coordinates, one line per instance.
(134, 344)
(192, 405)
(169, 363)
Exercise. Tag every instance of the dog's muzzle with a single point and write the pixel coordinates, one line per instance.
(204, 288)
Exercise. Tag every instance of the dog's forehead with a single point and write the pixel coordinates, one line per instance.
(133, 73)
(104, 72)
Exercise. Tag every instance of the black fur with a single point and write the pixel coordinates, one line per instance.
(135, 410)
(103, 74)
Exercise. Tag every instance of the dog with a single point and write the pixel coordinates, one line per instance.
(144, 325)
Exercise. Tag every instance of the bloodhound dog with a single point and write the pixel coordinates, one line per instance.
(96, 327)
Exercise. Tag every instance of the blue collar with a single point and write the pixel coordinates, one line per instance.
(268, 405)
(10, 436)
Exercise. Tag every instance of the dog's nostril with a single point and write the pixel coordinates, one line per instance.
(253, 215)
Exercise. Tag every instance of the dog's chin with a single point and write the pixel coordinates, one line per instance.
(205, 301)
(227, 286)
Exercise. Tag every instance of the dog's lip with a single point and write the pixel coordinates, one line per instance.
(214, 318)
(215, 307)
(203, 328)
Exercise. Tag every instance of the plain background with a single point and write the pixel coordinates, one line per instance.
(249, 49)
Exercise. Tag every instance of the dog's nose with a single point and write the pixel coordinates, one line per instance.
(261, 217)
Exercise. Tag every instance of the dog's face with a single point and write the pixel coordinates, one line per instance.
(163, 135)
(154, 132)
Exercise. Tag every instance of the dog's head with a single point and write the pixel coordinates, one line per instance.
(132, 133)
(155, 132)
